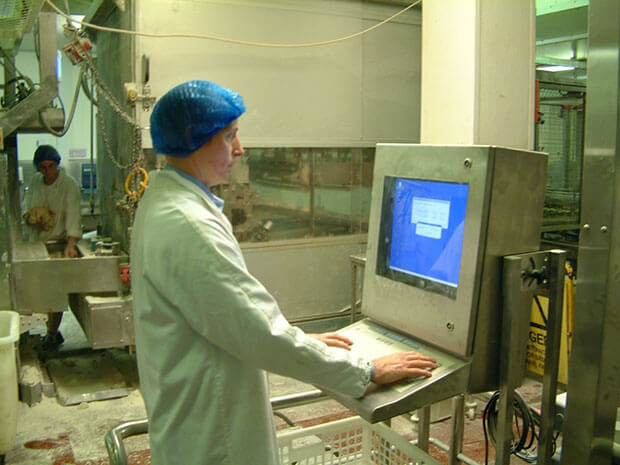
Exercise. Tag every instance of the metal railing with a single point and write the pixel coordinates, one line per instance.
(114, 437)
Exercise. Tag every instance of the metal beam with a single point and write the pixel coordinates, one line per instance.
(48, 90)
(594, 373)
(544, 7)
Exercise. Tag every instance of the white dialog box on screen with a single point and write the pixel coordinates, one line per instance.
(430, 216)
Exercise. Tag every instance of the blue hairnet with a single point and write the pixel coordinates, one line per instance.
(190, 114)
(45, 153)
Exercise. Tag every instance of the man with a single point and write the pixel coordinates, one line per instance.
(53, 213)
(205, 328)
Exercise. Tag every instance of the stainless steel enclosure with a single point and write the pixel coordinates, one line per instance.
(594, 373)
(42, 284)
(461, 328)
(504, 217)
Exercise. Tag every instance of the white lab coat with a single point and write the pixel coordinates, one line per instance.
(63, 198)
(205, 332)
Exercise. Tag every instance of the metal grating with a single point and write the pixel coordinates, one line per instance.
(17, 17)
(561, 136)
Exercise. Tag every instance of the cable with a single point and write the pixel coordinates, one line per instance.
(69, 120)
(285, 418)
(526, 421)
(231, 41)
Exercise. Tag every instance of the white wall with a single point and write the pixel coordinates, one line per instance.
(353, 93)
(478, 73)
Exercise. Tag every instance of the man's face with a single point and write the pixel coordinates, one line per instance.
(217, 156)
(49, 170)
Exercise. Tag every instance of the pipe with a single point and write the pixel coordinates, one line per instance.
(462, 457)
(114, 439)
(293, 400)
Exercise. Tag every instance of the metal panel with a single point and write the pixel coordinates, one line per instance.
(293, 271)
(107, 320)
(380, 403)
(514, 225)
(400, 306)
(42, 284)
(594, 373)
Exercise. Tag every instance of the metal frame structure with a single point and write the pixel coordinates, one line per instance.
(594, 372)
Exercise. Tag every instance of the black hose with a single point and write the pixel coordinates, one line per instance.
(526, 421)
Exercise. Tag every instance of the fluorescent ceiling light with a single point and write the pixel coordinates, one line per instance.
(555, 68)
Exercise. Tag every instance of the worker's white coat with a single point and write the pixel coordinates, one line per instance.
(205, 331)
(63, 198)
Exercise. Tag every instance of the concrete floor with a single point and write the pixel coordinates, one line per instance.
(49, 433)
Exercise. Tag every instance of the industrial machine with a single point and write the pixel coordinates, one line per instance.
(41, 280)
(442, 218)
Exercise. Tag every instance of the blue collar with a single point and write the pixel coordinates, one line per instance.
(219, 203)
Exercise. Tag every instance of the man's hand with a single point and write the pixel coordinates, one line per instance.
(71, 250)
(401, 365)
(334, 340)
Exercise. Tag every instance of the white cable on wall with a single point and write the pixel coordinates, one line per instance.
(232, 41)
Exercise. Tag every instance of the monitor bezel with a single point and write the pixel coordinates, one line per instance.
(384, 242)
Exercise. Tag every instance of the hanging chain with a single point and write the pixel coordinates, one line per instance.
(129, 202)
(107, 95)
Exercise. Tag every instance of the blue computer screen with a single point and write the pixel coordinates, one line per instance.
(422, 230)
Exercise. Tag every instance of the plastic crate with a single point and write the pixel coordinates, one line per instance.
(350, 441)
(9, 334)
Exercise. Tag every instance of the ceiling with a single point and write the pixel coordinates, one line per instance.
(562, 38)
(561, 30)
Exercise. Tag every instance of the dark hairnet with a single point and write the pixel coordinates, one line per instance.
(45, 153)
(190, 114)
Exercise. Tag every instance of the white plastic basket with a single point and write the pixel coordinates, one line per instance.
(9, 334)
(350, 441)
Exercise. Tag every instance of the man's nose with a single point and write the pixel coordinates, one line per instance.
(238, 149)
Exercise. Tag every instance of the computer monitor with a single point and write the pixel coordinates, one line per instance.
(441, 219)
(421, 233)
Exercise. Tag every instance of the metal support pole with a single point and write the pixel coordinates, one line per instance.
(353, 289)
(358, 262)
(458, 427)
(556, 260)
(593, 370)
(522, 276)
(424, 427)
(516, 302)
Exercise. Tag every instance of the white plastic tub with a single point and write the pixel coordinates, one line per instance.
(9, 334)
(350, 441)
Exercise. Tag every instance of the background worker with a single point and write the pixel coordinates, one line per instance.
(206, 329)
(52, 204)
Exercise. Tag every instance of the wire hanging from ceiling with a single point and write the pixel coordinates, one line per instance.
(232, 41)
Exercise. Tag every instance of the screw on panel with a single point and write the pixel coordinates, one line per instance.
(467, 163)
(450, 326)
(586, 227)
(603, 229)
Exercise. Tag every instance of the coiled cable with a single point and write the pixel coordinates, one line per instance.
(526, 422)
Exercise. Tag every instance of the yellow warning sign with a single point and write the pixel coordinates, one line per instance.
(535, 360)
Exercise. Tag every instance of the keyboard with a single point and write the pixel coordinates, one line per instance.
(372, 341)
